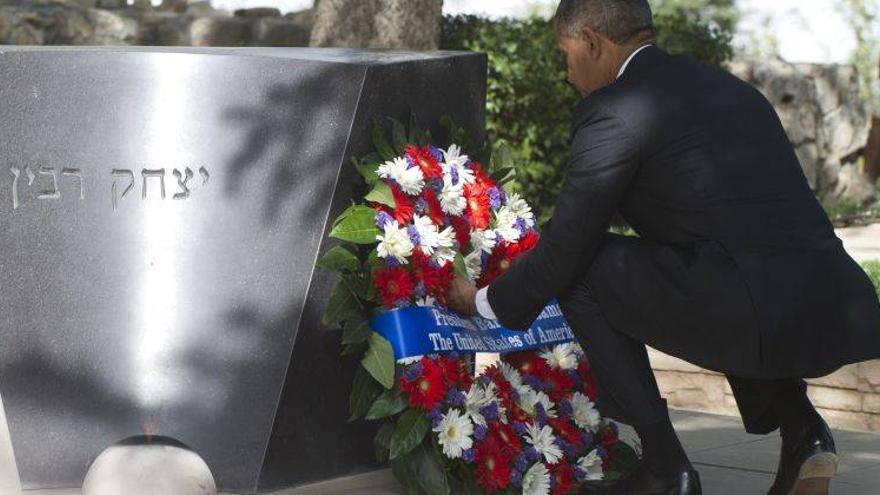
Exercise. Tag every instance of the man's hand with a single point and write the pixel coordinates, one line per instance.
(462, 296)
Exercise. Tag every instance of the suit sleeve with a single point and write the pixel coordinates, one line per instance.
(604, 158)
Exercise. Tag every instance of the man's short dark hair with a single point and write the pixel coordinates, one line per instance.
(617, 20)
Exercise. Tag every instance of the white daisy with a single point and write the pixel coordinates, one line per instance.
(591, 464)
(505, 224)
(394, 243)
(429, 236)
(452, 200)
(521, 209)
(443, 255)
(428, 301)
(409, 360)
(584, 412)
(511, 374)
(529, 398)
(561, 356)
(542, 440)
(475, 399)
(474, 264)
(536, 481)
(410, 179)
(454, 433)
(483, 240)
(452, 158)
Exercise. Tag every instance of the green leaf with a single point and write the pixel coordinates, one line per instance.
(381, 143)
(502, 156)
(460, 266)
(504, 175)
(409, 432)
(388, 404)
(354, 349)
(381, 193)
(398, 135)
(382, 441)
(625, 461)
(342, 304)
(404, 473)
(339, 259)
(367, 170)
(355, 331)
(364, 391)
(379, 360)
(358, 226)
(432, 476)
(373, 259)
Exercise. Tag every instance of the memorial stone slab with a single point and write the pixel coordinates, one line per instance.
(161, 212)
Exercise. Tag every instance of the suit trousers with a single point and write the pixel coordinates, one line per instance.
(679, 299)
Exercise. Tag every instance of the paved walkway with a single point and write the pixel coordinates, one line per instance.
(730, 462)
(862, 243)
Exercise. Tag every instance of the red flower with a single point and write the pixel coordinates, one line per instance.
(435, 210)
(403, 210)
(566, 430)
(436, 279)
(524, 245)
(493, 465)
(427, 390)
(481, 176)
(455, 372)
(507, 438)
(528, 362)
(559, 384)
(563, 477)
(498, 263)
(423, 158)
(478, 211)
(588, 380)
(394, 284)
(462, 231)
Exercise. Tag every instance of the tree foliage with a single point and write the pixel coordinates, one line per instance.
(529, 101)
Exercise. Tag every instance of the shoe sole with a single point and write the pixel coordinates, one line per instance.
(815, 475)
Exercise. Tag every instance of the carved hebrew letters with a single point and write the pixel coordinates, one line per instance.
(52, 192)
(148, 173)
(181, 182)
(121, 173)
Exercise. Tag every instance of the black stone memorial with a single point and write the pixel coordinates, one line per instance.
(161, 212)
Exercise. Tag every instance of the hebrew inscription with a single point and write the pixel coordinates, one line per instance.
(45, 182)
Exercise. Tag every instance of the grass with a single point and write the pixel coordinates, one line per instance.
(873, 270)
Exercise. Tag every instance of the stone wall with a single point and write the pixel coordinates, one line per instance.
(90, 22)
(826, 121)
(848, 398)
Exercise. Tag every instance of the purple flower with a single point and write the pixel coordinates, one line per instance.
(516, 477)
(519, 428)
(565, 407)
(568, 449)
(490, 412)
(410, 163)
(454, 397)
(580, 474)
(521, 226)
(435, 416)
(420, 290)
(391, 261)
(413, 372)
(452, 355)
(382, 218)
(494, 198)
(453, 173)
(413, 234)
(480, 432)
(521, 462)
(435, 153)
(469, 455)
(533, 381)
(540, 415)
(532, 454)
(587, 438)
(421, 206)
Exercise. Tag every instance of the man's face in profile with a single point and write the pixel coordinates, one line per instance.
(587, 60)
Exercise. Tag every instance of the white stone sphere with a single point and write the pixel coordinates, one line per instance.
(161, 467)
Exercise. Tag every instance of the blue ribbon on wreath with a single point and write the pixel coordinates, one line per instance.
(419, 330)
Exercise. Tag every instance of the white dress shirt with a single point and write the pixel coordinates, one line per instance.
(482, 299)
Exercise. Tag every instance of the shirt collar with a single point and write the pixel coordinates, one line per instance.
(628, 59)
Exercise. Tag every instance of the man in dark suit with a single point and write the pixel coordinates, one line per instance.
(736, 267)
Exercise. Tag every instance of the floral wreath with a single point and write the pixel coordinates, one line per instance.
(526, 423)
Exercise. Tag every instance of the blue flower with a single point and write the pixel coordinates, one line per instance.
(469, 455)
(494, 198)
(435, 416)
(413, 234)
(516, 477)
(490, 412)
(383, 218)
(413, 372)
(480, 432)
(454, 397)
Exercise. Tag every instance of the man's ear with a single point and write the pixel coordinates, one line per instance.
(593, 41)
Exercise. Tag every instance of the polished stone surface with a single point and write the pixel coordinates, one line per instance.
(161, 213)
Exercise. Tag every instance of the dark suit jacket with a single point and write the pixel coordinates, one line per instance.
(689, 153)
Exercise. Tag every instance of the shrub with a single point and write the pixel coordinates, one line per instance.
(873, 269)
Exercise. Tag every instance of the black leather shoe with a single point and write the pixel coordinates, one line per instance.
(644, 482)
(807, 461)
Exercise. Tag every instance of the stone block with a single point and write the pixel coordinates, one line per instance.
(835, 398)
(846, 378)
